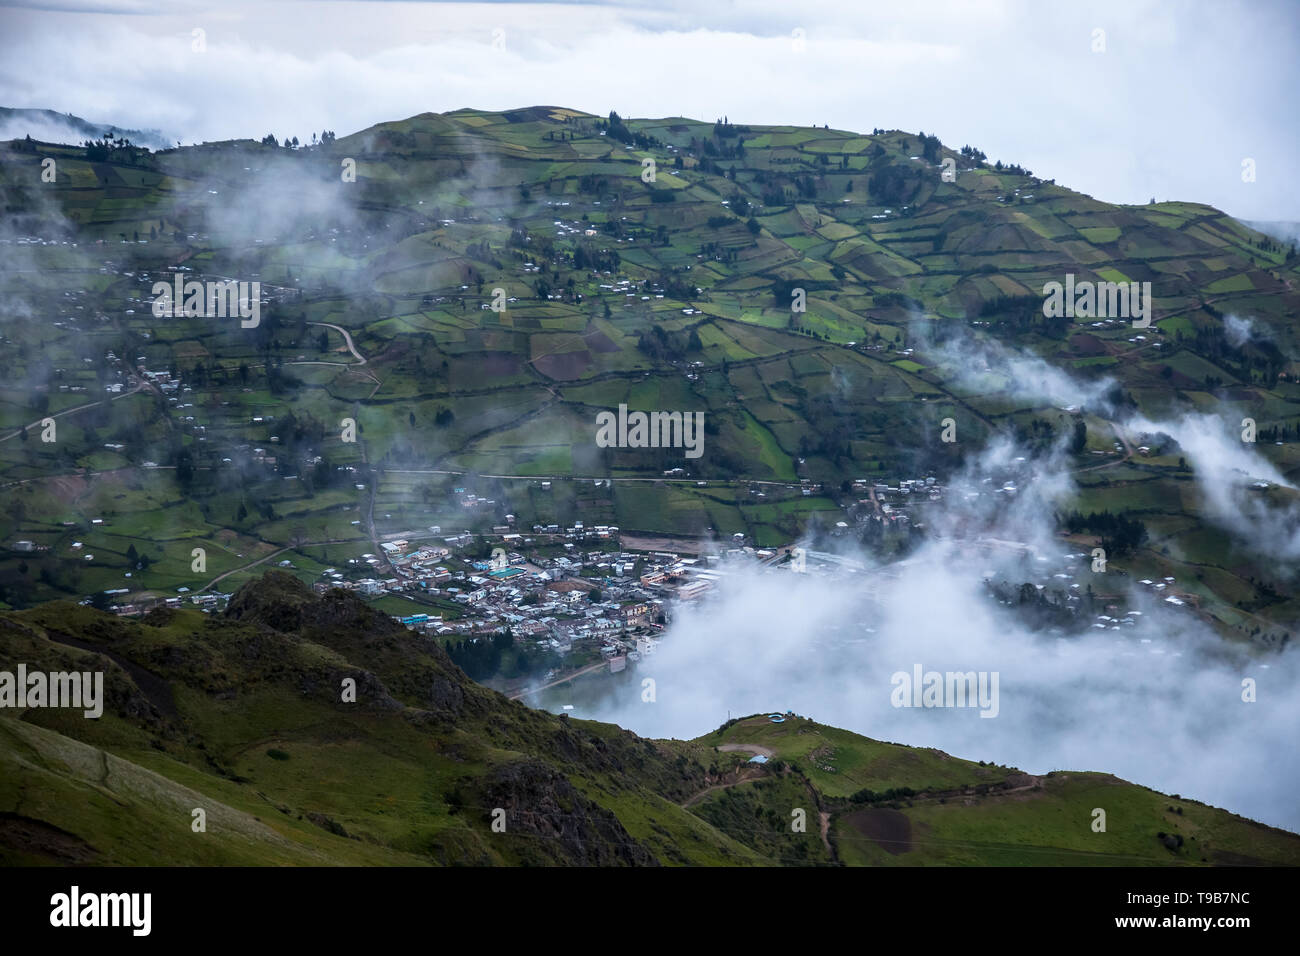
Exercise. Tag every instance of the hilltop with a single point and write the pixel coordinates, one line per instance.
(241, 715)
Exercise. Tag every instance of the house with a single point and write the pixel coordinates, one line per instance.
(692, 590)
(633, 614)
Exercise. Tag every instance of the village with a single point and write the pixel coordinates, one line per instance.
(579, 596)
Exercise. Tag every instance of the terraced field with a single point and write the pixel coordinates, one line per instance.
(671, 292)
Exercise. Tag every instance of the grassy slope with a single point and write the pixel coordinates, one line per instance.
(241, 718)
(965, 813)
(244, 721)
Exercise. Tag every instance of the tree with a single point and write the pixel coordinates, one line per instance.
(185, 470)
(1080, 440)
(595, 595)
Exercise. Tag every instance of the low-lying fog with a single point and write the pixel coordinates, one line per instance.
(1156, 699)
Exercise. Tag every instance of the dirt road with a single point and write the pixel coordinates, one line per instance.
(561, 680)
(749, 749)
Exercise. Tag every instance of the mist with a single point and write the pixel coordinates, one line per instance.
(985, 366)
(1243, 493)
(1160, 702)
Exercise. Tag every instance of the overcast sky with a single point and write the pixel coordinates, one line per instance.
(1179, 94)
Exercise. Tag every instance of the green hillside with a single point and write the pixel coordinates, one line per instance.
(664, 292)
(242, 716)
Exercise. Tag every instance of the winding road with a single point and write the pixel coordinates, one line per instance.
(347, 338)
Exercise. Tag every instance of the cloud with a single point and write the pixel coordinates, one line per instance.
(1238, 330)
(1241, 490)
(948, 68)
(985, 366)
(1158, 702)
(46, 129)
(1228, 472)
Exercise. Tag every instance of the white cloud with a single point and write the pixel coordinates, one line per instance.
(1018, 80)
(1158, 703)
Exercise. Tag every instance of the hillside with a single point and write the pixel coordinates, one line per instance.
(662, 288)
(241, 716)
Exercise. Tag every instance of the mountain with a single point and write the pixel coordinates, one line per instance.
(658, 263)
(48, 126)
(430, 319)
(242, 715)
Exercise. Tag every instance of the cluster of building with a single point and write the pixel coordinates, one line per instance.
(1068, 581)
(551, 591)
(207, 602)
(895, 504)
